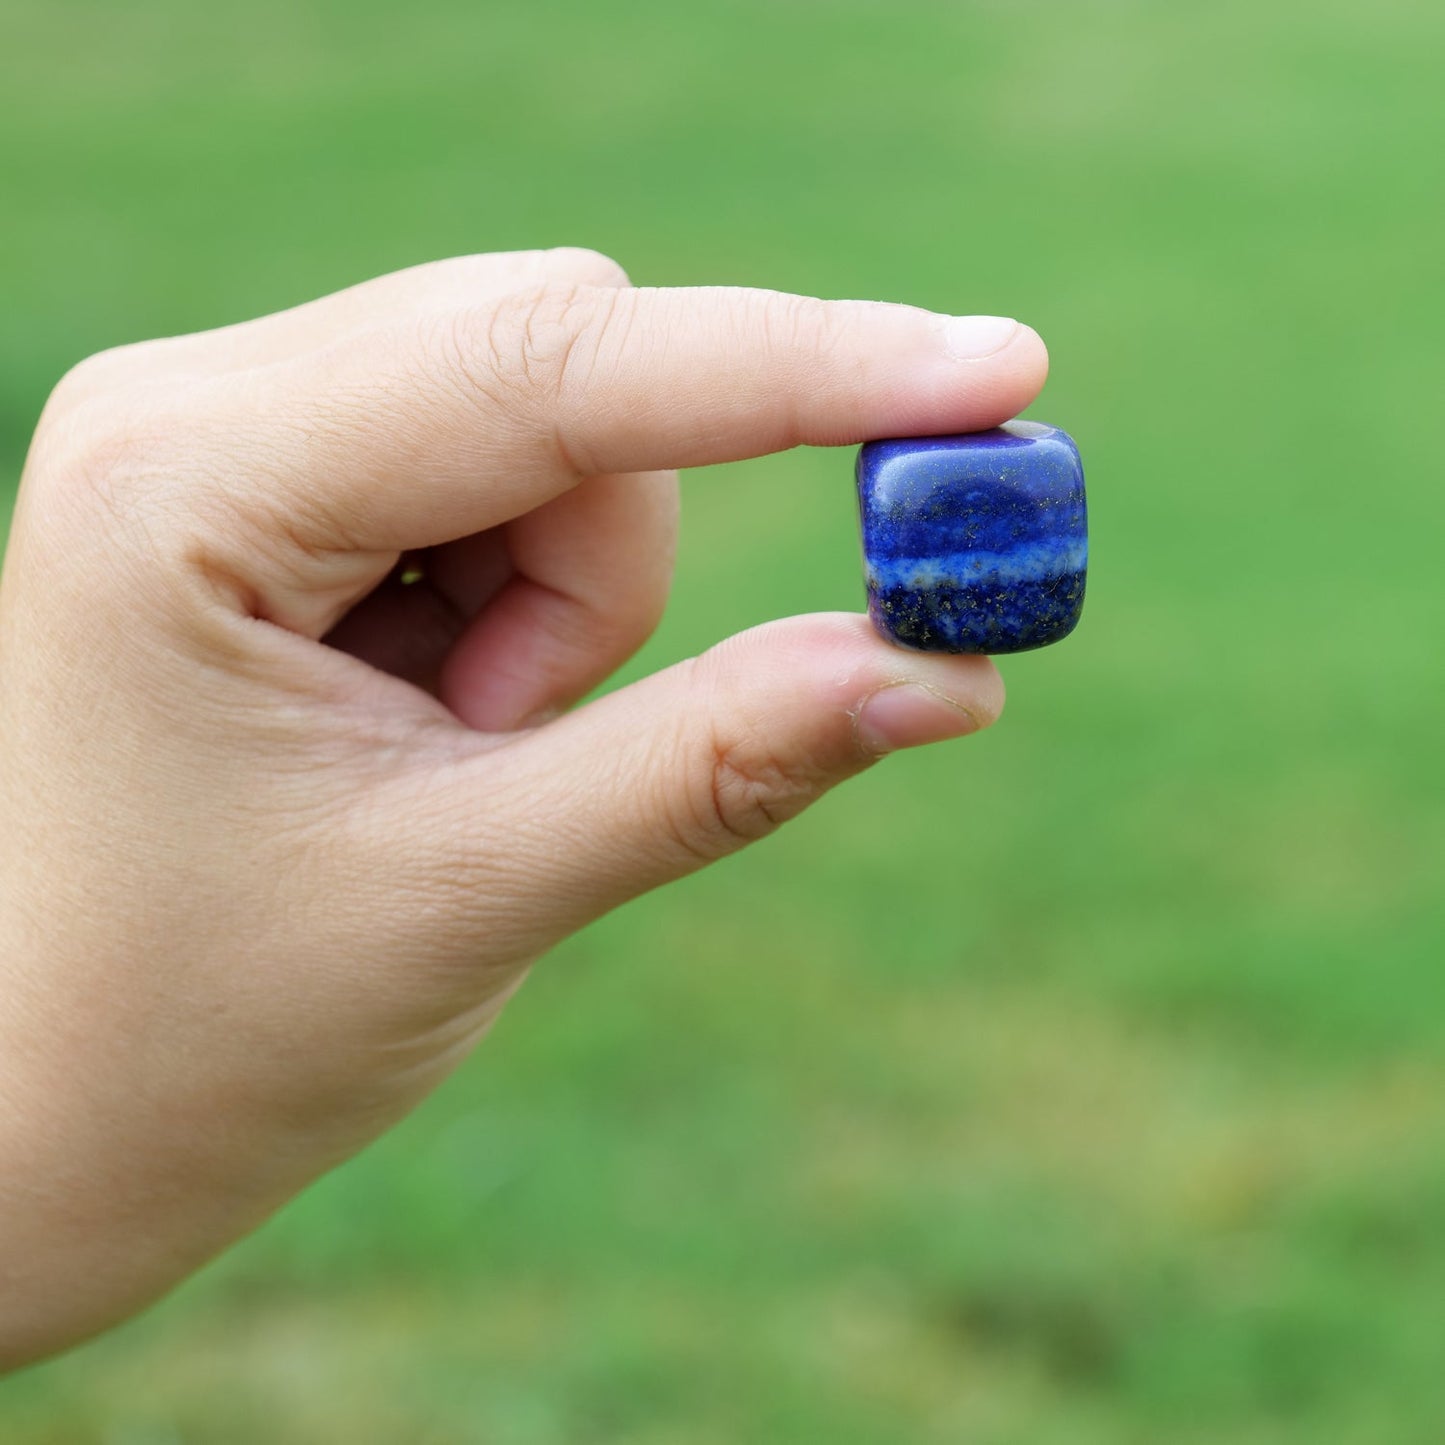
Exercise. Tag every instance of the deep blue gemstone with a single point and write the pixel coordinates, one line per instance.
(974, 543)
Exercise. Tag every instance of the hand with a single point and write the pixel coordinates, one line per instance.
(289, 800)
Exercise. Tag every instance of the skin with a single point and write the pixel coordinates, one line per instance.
(282, 826)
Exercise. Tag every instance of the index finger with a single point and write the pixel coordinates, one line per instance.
(417, 434)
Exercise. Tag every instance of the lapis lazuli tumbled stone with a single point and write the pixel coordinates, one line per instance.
(974, 543)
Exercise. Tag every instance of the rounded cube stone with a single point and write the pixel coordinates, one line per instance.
(974, 543)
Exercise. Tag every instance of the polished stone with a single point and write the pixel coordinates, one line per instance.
(974, 543)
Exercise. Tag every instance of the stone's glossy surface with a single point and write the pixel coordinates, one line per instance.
(974, 543)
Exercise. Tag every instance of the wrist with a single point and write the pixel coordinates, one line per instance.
(113, 1186)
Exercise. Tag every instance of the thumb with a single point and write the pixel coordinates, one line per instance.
(654, 781)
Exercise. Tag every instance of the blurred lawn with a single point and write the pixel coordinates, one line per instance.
(1082, 1083)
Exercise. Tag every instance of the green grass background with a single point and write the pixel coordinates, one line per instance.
(1084, 1082)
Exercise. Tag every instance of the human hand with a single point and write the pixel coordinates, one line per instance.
(281, 826)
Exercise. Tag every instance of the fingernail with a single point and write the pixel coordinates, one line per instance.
(907, 715)
(971, 338)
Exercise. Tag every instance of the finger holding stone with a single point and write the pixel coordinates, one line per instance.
(657, 779)
(411, 436)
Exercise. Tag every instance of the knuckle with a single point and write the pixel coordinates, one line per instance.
(545, 327)
(561, 331)
(93, 376)
(742, 792)
(541, 347)
(122, 484)
(553, 327)
(78, 385)
(107, 374)
(753, 793)
(793, 323)
(581, 263)
(526, 338)
(114, 453)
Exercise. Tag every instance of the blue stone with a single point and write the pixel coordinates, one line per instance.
(974, 543)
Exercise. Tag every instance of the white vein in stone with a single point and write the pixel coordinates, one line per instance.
(1028, 562)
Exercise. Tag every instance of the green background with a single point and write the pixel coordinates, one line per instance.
(1082, 1082)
